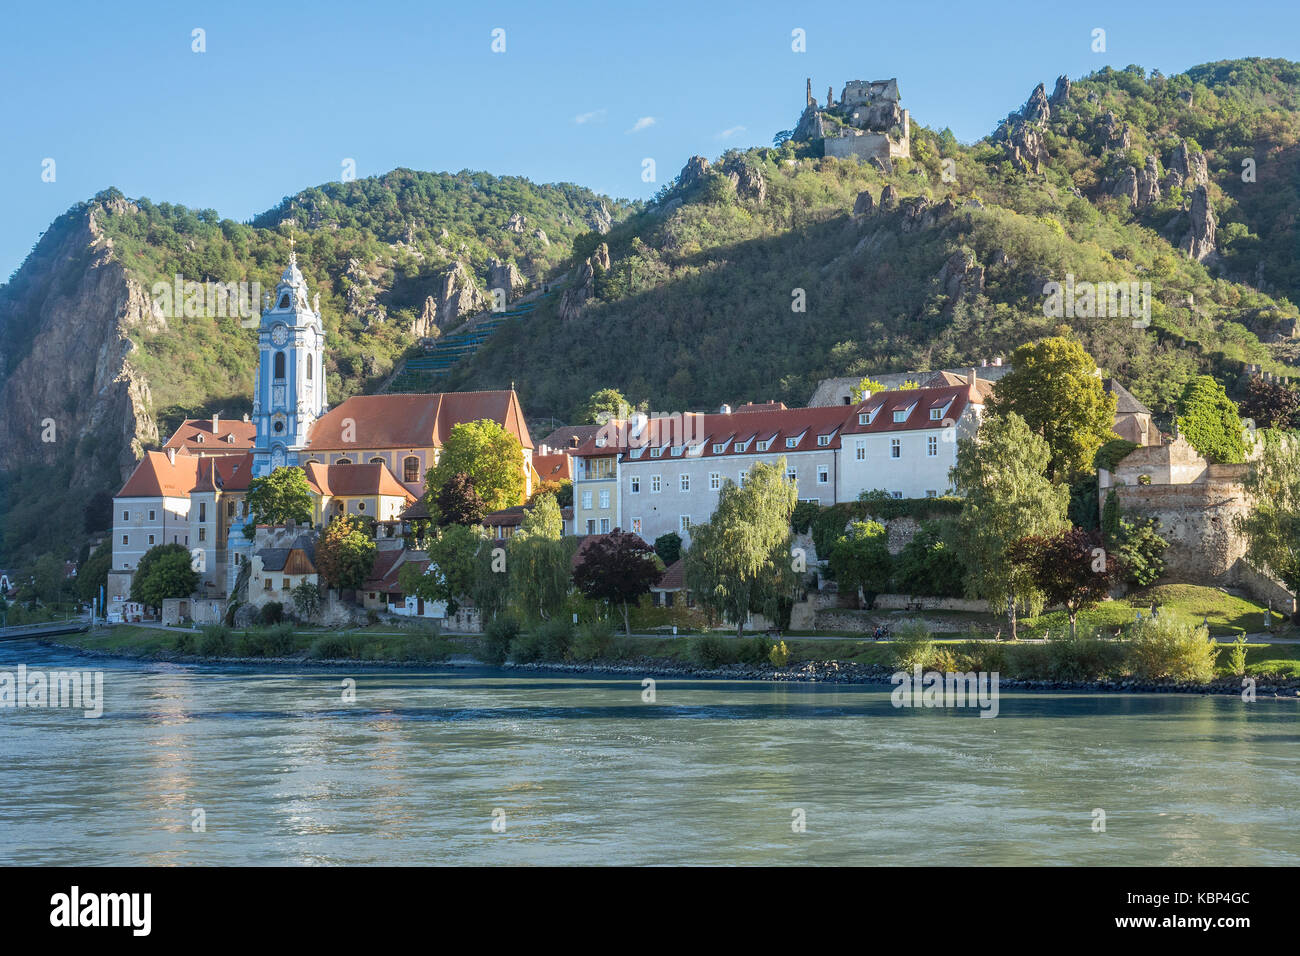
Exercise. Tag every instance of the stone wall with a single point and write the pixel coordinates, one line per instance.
(1264, 589)
(900, 602)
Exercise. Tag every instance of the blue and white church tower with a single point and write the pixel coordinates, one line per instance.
(290, 391)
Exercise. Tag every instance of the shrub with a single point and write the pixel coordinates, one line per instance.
(1162, 647)
(712, 650)
(985, 656)
(1237, 656)
(1082, 658)
(497, 638)
(185, 643)
(426, 646)
(274, 641)
(802, 517)
(555, 636)
(779, 655)
(753, 650)
(271, 613)
(594, 640)
(330, 647)
(913, 645)
(527, 648)
(214, 641)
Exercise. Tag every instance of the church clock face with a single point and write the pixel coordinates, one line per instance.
(279, 334)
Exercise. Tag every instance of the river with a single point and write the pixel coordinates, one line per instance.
(474, 765)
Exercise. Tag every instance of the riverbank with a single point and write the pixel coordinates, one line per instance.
(821, 670)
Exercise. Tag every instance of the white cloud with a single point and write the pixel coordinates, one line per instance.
(591, 117)
(645, 122)
(730, 132)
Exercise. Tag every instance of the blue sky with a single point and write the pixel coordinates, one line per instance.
(285, 92)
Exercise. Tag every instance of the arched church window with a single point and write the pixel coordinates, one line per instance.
(284, 301)
(310, 363)
(411, 469)
(279, 365)
(378, 461)
(343, 461)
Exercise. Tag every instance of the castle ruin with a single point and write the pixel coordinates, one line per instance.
(866, 122)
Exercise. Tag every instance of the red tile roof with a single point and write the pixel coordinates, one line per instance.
(156, 476)
(673, 578)
(195, 435)
(413, 421)
(384, 561)
(227, 473)
(553, 467)
(916, 403)
(344, 481)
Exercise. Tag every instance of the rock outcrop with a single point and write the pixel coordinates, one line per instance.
(504, 275)
(601, 220)
(693, 172)
(1062, 92)
(456, 295)
(1037, 110)
(1190, 166)
(864, 205)
(888, 198)
(1199, 241)
(575, 297)
(1148, 183)
(745, 179)
(517, 223)
(961, 276)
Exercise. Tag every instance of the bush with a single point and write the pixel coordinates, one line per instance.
(214, 641)
(426, 646)
(271, 613)
(555, 635)
(801, 519)
(913, 645)
(594, 640)
(186, 643)
(712, 650)
(499, 634)
(274, 641)
(330, 647)
(981, 656)
(753, 650)
(779, 655)
(527, 648)
(1162, 647)
(1082, 658)
(1237, 656)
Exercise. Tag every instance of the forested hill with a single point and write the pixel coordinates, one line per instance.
(1095, 178)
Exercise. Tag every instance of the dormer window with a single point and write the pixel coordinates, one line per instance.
(763, 445)
(676, 451)
(792, 443)
(823, 440)
(864, 418)
(936, 414)
(656, 452)
(719, 449)
(901, 414)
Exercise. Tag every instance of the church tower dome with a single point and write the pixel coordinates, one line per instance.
(290, 392)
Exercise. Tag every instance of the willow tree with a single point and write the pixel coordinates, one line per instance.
(539, 562)
(1002, 472)
(1272, 525)
(739, 561)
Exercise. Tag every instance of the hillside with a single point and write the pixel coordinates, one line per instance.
(696, 305)
(87, 344)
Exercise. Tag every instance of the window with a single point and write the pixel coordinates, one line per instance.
(656, 452)
(763, 445)
(936, 414)
(931, 493)
(284, 584)
(203, 534)
(126, 516)
(284, 301)
(230, 509)
(792, 443)
(267, 584)
(125, 539)
(635, 485)
(792, 474)
(411, 469)
(151, 539)
(823, 474)
(279, 365)
(895, 448)
(604, 499)
(310, 363)
(676, 451)
(636, 525)
(604, 526)
(932, 446)
(895, 494)
(901, 414)
(361, 506)
(343, 461)
(151, 514)
(741, 481)
(591, 526)
(685, 524)
(864, 418)
(741, 445)
(378, 461)
(719, 449)
(600, 468)
(586, 501)
(654, 484)
(860, 450)
(715, 481)
(685, 482)
(823, 440)
(203, 511)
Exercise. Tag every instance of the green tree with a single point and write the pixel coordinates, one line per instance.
(860, 559)
(618, 568)
(165, 571)
(1054, 387)
(739, 561)
(453, 562)
(1209, 420)
(281, 496)
(603, 405)
(93, 573)
(868, 385)
(929, 564)
(43, 579)
(306, 599)
(1069, 568)
(489, 456)
(345, 554)
(540, 563)
(1002, 474)
(1272, 526)
(669, 547)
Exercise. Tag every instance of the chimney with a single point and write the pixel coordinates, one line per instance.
(171, 455)
(245, 417)
(216, 422)
(970, 378)
(984, 363)
(724, 410)
(997, 362)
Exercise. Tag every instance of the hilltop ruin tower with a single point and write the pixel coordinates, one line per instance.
(867, 122)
